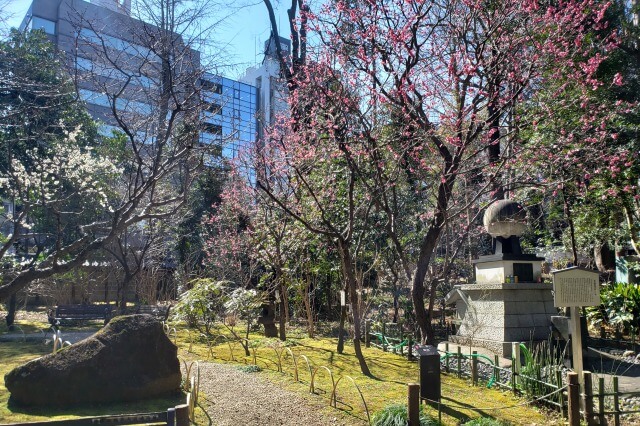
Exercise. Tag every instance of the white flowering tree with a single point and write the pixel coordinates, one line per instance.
(88, 190)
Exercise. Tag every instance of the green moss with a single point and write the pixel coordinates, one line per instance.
(486, 421)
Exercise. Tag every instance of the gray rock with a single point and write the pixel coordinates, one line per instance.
(129, 359)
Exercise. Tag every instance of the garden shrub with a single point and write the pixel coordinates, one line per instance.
(200, 306)
(620, 306)
(250, 368)
(396, 415)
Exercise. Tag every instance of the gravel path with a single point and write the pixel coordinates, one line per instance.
(238, 398)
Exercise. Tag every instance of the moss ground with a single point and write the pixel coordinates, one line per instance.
(389, 385)
(391, 374)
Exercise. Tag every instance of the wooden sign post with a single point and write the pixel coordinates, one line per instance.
(573, 288)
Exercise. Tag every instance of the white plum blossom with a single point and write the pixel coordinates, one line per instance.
(68, 169)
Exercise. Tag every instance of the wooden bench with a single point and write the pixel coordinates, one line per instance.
(159, 311)
(79, 313)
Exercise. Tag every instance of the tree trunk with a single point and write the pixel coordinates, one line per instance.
(285, 302)
(572, 228)
(634, 229)
(343, 317)
(597, 256)
(306, 297)
(122, 302)
(349, 273)
(431, 337)
(282, 320)
(396, 307)
(11, 311)
(427, 246)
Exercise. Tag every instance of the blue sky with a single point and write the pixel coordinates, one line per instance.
(242, 34)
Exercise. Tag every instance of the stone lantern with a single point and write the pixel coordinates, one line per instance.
(508, 303)
(506, 221)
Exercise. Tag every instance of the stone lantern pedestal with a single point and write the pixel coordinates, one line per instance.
(495, 315)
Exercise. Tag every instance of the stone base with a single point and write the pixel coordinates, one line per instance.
(495, 315)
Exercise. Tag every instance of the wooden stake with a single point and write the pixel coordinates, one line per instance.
(413, 404)
(573, 390)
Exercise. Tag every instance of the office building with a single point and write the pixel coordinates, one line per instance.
(271, 87)
(113, 58)
(230, 114)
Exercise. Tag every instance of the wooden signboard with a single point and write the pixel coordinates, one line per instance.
(573, 288)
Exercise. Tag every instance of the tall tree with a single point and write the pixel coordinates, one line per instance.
(410, 96)
(587, 149)
(50, 156)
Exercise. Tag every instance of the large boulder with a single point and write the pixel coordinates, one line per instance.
(129, 359)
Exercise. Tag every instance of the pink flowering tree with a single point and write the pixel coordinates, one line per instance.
(586, 137)
(401, 101)
(251, 242)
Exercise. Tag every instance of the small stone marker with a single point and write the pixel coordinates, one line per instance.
(576, 287)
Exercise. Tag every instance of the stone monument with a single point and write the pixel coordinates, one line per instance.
(130, 359)
(508, 302)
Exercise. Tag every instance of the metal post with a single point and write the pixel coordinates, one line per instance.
(446, 354)
(588, 398)
(182, 415)
(573, 388)
(496, 372)
(413, 404)
(459, 361)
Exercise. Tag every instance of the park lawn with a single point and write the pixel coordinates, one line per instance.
(391, 375)
(13, 354)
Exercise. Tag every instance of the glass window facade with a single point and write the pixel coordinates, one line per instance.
(96, 68)
(133, 49)
(122, 104)
(233, 112)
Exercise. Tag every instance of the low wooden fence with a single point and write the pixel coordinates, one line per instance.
(180, 415)
(601, 404)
